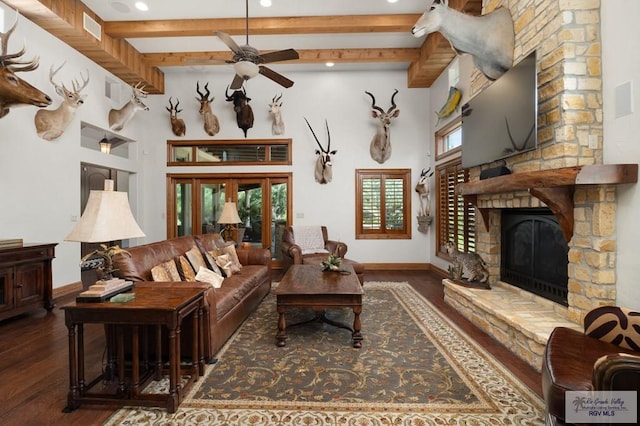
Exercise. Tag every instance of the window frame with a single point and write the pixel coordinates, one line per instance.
(383, 174)
(441, 137)
(193, 145)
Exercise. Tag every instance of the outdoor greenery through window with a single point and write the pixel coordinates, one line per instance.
(383, 203)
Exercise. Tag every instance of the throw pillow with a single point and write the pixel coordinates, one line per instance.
(208, 276)
(211, 260)
(233, 255)
(195, 258)
(166, 271)
(224, 261)
(185, 269)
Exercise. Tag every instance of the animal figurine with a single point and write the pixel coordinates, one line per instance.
(324, 168)
(244, 113)
(50, 124)
(177, 124)
(423, 190)
(380, 148)
(118, 118)
(472, 262)
(211, 123)
(15, 91)
(275, 109)
(489, 38)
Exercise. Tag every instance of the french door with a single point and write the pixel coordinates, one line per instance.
(194, 204)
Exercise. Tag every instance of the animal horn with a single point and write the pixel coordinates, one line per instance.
(206, 87)
(393, 104)
(170, 105)
(198, 89)
(373, 102)
(177, 103)
(328, 136)
(279, 97)
(314, 134)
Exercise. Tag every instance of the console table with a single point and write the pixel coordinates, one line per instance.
(25, 279)
(152, 309)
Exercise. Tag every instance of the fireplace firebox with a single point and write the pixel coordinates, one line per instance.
(534, 253)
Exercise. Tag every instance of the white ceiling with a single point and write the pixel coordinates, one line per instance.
(111, 10)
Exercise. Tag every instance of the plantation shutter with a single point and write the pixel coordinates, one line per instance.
(456, 218)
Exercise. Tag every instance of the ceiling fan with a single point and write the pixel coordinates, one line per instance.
(248, 61)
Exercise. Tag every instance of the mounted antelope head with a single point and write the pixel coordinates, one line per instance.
(380, 148)
(275, 109)
(13, 90)
(323, 171)
(177, 124)
(211, 123)
(244, 113)
(50, 124)
(118, 118)
(423, 190)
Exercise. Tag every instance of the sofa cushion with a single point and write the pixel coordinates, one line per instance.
(236, 288)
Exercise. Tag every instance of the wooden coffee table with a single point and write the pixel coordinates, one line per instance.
(307, 286)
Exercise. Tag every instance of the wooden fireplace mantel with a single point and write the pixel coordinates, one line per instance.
(554, 187)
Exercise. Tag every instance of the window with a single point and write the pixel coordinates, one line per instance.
(456, 218)
(449, 139)
(383, 204)
(221, 153)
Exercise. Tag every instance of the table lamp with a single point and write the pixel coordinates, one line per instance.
(230, 218)
(106, 218)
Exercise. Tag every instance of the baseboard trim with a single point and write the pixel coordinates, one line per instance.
(66, 290)
(396, 266)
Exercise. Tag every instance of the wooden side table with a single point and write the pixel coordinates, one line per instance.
(152, 306)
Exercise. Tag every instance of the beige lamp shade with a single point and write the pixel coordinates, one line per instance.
(229, 214)
(107, 217)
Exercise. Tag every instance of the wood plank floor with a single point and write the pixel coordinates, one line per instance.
(34, 358)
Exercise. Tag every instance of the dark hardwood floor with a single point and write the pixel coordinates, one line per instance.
(34, 358)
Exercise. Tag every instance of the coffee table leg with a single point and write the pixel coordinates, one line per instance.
(356, 335)
(281, 337)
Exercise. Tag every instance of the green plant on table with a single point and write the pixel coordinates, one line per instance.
(332, 263)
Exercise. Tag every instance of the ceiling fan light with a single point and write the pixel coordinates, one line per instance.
(246, 69)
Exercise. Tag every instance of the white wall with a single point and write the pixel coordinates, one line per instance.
(621, 64)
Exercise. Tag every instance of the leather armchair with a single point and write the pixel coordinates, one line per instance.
(606, 356)
(292, 253)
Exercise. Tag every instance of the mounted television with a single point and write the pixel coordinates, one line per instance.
(501, 121)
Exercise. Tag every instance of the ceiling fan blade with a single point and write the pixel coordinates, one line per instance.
(226, 39)
(237, 83)
(280, 55)
(277, 77)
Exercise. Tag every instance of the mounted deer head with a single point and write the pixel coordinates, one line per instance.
(380, 148)
(275, 109)
(118, 118)
(211, 123)
(423, 189)
(50, 124)
(177, 124)
(244, 113)
(13, 90)
(323, 170)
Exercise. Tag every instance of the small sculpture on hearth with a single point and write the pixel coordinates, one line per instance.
(472, 262)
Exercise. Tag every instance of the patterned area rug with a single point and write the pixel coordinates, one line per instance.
(414, 368)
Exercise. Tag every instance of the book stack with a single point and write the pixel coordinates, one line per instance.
(104, 289)
(11, 242)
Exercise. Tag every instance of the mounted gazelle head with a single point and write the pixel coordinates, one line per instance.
(275, 109)
(177, 124)
(423, 189)
(118, 118)
(323, 171)
(50, 124)
(380, 148)
(13, 90)
(211, 123)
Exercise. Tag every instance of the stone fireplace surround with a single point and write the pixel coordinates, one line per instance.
(565, 173)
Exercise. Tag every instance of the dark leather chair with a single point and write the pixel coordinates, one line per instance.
(292, 252)
(606, 356)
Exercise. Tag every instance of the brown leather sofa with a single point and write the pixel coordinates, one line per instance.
(292, 253)
(226, 307)
(605, 357)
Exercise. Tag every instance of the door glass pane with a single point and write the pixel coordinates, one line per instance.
(183, 209)
(212, 197)
(250, 211)
(278, 217)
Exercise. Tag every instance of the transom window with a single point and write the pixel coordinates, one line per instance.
(236, 152)
(449, 139)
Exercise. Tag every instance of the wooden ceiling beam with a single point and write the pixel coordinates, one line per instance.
(339, 24)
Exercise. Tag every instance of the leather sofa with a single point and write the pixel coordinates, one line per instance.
(606, 356)
(226, 307)
(292, 252)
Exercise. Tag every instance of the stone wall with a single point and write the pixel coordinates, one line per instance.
(566, 36)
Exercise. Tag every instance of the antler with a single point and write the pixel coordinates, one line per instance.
(373, 103)
(393, 104)
(138, 90)
(314, 134)
(52, 73)
(76, 87)
(8, 60)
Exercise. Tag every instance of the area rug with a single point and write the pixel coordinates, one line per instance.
(414, 368)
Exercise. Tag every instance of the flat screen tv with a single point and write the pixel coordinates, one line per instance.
(501, 121)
